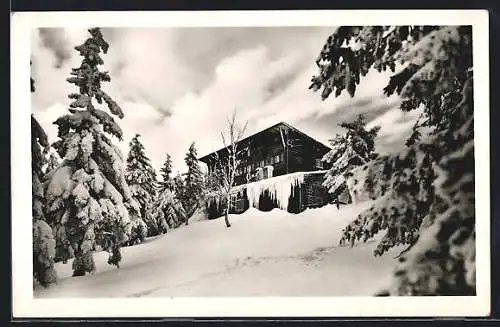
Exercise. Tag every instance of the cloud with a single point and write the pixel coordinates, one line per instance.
(177, 86)
(395, 128)
(54, 39)
(48, 118)
(239, 84)
(51, 66)
(146, 69)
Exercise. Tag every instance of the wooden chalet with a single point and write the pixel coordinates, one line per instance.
(276, 151)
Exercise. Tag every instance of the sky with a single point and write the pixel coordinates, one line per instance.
(179, 85)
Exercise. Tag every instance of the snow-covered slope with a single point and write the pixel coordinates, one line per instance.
(263, 254)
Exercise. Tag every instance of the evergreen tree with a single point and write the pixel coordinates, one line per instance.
(179, 186)
(166, 179)
(44, 244)
(163, 220)
(141, 179)
(355, 148)
(87, 196)
(193, 182)
(212, 182)
(425, 194)
(169, 211)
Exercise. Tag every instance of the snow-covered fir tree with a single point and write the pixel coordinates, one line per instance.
(44, 244)
(212, 182)
(164, 219)
(422, 198)
(193, 182)
(141, 179)
(352, 149)
(179, 186)
(169, 211)
(166, 178)
(88, 200)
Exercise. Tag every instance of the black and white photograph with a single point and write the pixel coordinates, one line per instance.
(295, 160)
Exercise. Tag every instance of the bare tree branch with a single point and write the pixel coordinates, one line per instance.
(227, 164)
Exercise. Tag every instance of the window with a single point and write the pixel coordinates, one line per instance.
(319, 163)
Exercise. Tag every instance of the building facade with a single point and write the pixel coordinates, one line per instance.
(276, 151)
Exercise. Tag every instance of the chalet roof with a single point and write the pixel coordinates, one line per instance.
(283, 124)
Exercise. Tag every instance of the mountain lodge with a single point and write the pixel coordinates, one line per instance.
(280, 166)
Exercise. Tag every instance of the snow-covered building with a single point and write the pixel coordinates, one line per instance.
(280, 167)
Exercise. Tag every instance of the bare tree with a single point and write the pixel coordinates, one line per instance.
(227, 164)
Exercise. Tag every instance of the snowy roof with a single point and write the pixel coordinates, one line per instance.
(280, 124)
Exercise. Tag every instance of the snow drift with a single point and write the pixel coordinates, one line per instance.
(263, 254)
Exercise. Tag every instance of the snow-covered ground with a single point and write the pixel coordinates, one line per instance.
(263, 254)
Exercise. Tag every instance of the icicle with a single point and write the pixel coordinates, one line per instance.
(214, 199)
(280, 189)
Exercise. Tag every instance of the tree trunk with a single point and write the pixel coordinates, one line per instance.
(116, 256)
(226, 219)
(228, 207)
